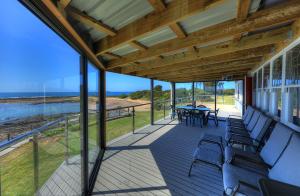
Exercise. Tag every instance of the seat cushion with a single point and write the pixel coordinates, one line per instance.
(233, 174)
(276, 143)
(261, 127)
(209, 153)
(287, 168)
(248, 117)
(253, 121)
(245, 159)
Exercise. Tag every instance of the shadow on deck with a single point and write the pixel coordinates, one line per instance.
(156, 160)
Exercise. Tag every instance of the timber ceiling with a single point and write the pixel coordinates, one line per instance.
(182, 40)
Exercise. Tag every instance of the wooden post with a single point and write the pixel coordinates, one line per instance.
(152, 101)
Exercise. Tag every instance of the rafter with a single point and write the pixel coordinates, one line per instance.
(252, 41)
(90, 21)
(178, 30)
(243, 54)
(111, 55)
(138, 45)
(158, 5)
(236, 65)
(72, 34)
(177, 10)
(243, 10)
(271, 16)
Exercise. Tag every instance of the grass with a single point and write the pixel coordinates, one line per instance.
(17, 166)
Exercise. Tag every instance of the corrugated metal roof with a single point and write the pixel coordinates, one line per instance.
(123, 50)
(114, 13)
(158, 36)
(215, 15)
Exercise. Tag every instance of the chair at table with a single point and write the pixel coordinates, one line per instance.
(186, 115)
(198, 115)
(190, 105)
(201, 106)
(179, 114)
(213, 115)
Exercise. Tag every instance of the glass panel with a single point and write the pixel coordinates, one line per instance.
(162, 99)
(293, 66)
(295, 102)
(39, 90)
(266, 76)
(259, 81)
(254, 81)
(93, 116)
(277, 72)
(205, 94)
(279, 101)
(183, 93)
(229, 98)
(127, 103)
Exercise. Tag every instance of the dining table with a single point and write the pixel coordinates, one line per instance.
(193, 108)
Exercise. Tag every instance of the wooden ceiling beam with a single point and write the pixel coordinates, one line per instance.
(111, 55)
(90, 21)
(208, 70)
(71, 32)
(178, 30)
(138, 45)
(243, 54)
(196, 78)
(176, 10)
(243, 10)
(158, 5)
(268, 17)
(249, 42)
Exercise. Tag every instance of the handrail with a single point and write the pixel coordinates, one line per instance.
(27, 134)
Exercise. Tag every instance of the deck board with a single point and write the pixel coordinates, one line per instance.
(156, 160)
(153, 161)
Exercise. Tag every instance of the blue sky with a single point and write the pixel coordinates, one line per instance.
(33, 58)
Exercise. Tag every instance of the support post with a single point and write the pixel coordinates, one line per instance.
(66, 140)
(35, 148)
(193, 93)
(216, 82)
(173, 101)
(84, 125)
(102, 105)
(133, 119)
(152, 101)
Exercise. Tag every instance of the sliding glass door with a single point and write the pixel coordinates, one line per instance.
(93, 116)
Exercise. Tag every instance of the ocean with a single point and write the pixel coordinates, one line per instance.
(11, 111)
(5, 95)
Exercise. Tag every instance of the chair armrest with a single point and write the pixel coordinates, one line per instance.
(270, 187)
(249, 159)
(243, 183)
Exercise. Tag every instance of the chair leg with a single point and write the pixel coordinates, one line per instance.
(191, 168)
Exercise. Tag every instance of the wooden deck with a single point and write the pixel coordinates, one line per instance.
(155, 161)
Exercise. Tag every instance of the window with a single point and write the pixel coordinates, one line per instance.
(293, 66)
(259, 77)
(183, 93)
(277, 72)
(205, 94)
(295, 105)
(278, 102)
(266, 77)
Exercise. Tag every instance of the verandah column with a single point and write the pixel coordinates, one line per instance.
(152, 101)
(173, 99)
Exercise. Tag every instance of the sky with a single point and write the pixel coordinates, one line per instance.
(35, 59)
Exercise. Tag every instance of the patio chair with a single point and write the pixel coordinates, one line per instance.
(198, 115)
(179, 114)
(187, 116)
(243, 122)
(213, 115)
(244, 130)
(254, 137)
(266, 158)
(237, 119)
(284, 170)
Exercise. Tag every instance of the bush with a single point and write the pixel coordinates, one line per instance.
(123, 96)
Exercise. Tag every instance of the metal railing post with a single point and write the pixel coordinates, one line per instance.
(164, 110)
(67, 140)
(133, 119)
(35, 163)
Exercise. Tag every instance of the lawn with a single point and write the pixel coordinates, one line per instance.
(17, 165)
